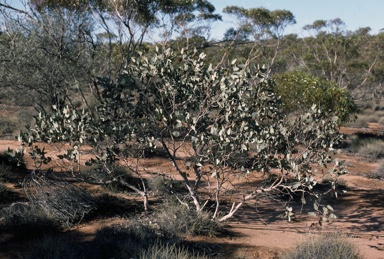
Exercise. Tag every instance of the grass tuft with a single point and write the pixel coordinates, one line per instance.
(327, 246)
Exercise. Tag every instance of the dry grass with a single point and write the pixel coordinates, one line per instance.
(327, 246)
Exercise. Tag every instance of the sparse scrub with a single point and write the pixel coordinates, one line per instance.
(166, 187)
(177, 218)
(8, 126)
(381, 120)
(25, 221)
(328, 246)
(127, 240)
(67, 203)
(5, 172)
(7, 195)
(52, 247)
(378, 173)
(372, 150)
(160, 251)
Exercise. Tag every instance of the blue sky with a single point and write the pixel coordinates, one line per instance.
(354, 13)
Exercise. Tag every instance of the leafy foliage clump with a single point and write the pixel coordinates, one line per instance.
(300, 91)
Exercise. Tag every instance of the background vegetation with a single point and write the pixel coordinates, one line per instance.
(258, 101)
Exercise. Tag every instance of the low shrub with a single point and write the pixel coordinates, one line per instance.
(327, 246)
(5, 172)
(160, 251)
(8, 126)
(128, 240)
(166, 187)
(373, 150)
(378, 173)
(7, 195)
(25, 221)
(177, 218)
(53, 247)
(67, 203)
(14, 162)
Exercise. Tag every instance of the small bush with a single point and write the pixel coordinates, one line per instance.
(126, 240)
(67, 203)
(8, 126)
(372, 150)
(160, 251)
(5, 172)
(7, 195)
(165, 186)
(15, 162)
(378, 173)
(26, 221)
(328, 246)
(53, 247)
(176, 218)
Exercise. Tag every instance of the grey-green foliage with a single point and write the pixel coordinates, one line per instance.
(227, 116)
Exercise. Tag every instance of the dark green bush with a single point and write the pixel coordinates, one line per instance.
(300, 91)
(328, 246)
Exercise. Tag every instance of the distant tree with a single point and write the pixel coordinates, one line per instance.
(267, 28)
(46, 56)
(334, 54)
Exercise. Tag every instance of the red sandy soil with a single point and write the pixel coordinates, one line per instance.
(260, 233)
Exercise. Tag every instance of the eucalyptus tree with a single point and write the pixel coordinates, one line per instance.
(265, 26)
(216, 124)
(46, 54)
(334, 54)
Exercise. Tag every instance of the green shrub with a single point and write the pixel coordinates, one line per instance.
(328, 246)
(300, 91)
